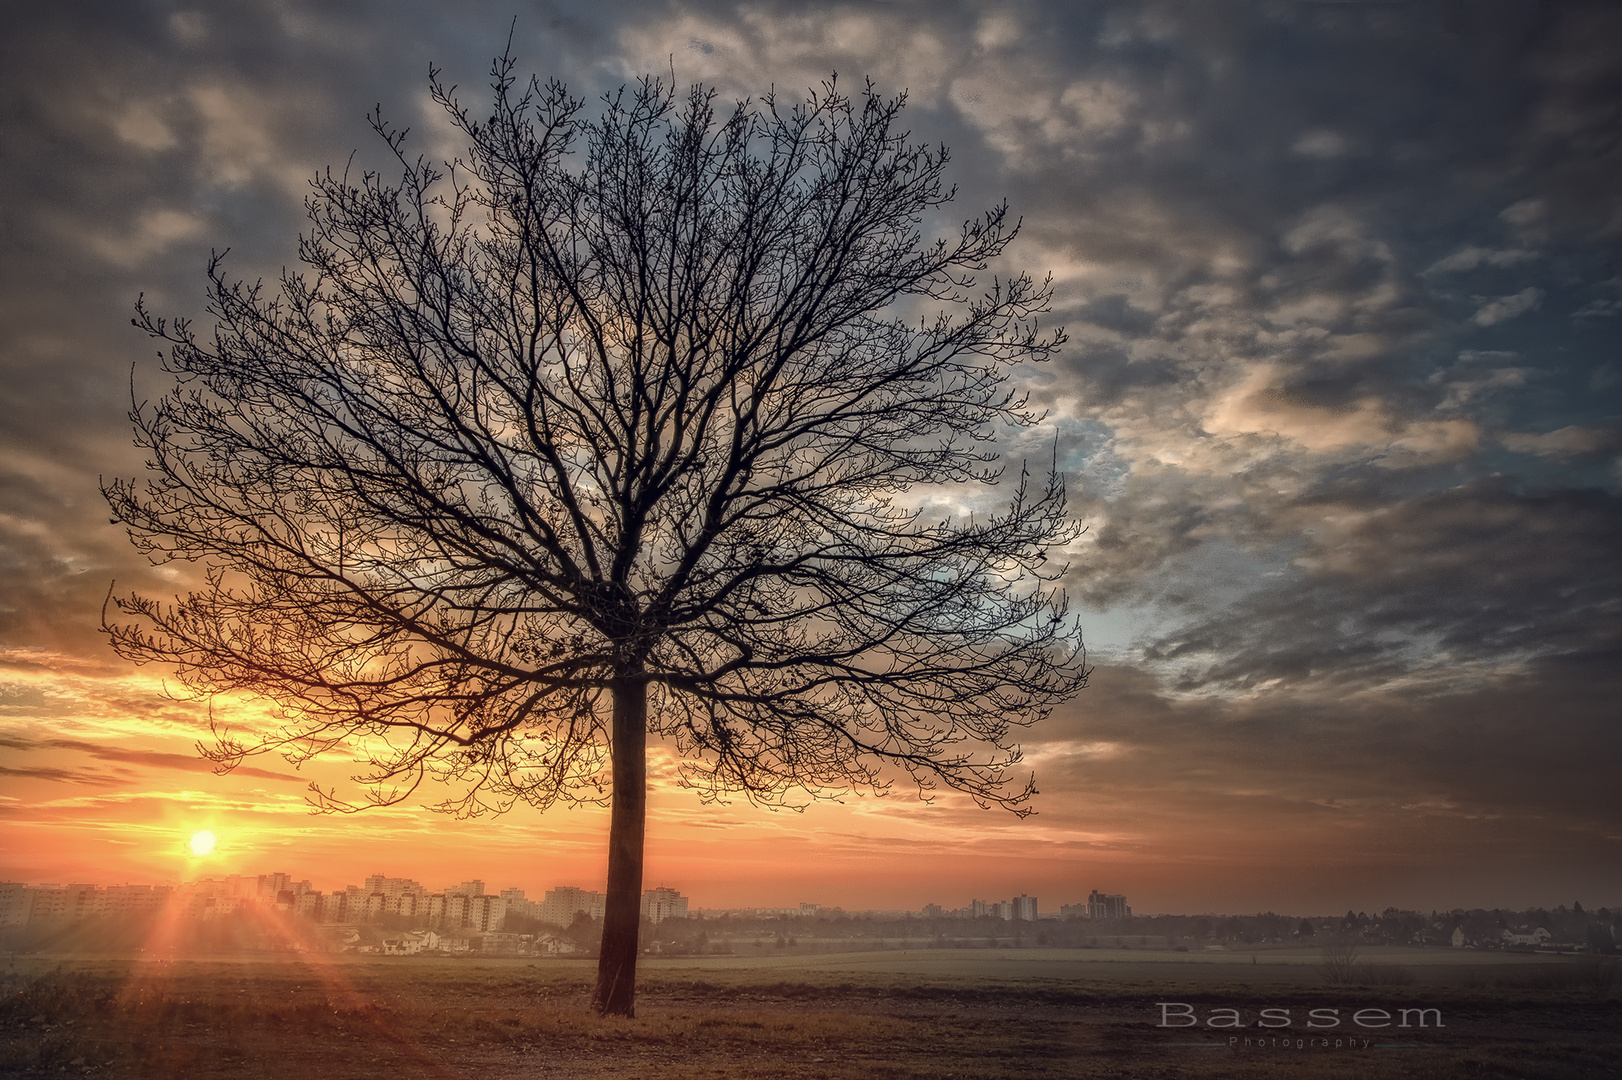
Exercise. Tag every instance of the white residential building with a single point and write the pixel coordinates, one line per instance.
(663, 903)
(563, 903)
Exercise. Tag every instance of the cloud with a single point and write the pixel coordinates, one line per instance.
(1508, 307)
(67, 776)
(1472, 382)
(745, 52)
(1322, 144)
(1598, 309)
(1468, 258)
(190, 27)
(1604, 306)
(1443, 590)
(1029, 119)
(141, 124)
(1360, 787)
(1366, 426)
(1567, 442)
(147, 759)
(152, 233)
(1525, 213)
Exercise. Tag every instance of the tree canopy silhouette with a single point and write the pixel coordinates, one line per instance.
(619, 425)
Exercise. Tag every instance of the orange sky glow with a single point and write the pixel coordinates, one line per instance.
(89, 807)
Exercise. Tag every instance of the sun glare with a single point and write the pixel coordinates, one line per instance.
(202, 842)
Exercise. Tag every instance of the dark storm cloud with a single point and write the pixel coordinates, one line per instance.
(1289, 179)
(1477, 574)
(1295, 289)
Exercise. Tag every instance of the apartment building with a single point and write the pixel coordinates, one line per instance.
(663, 903)
(563, 903)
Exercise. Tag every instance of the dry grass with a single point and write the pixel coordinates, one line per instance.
(402, 1021)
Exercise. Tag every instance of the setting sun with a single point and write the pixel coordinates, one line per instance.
(202, 843)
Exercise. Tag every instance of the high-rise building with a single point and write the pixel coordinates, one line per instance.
(518, 905)
(333, 906)
(1024, 908)
(475, 912)
(16, 903)
(1107, 906)
(661, 903)
(563, 903)
(390, 887)
(137, 898)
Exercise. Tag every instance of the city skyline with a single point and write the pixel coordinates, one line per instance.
(1095, 904)
(1341, 410)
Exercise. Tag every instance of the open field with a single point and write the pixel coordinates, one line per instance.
(970, 1014)
(1265, 964)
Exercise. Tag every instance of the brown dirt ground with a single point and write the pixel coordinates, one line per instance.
(393, 1020)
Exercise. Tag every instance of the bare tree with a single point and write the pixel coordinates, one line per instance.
(542, 438)
(1339, 963)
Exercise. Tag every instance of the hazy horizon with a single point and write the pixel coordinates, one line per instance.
(1048, 905)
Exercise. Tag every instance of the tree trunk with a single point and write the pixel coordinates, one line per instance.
(622, 914)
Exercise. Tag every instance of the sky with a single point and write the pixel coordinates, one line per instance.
(1341, 409)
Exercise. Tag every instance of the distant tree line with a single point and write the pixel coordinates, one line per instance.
(1598, 930)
